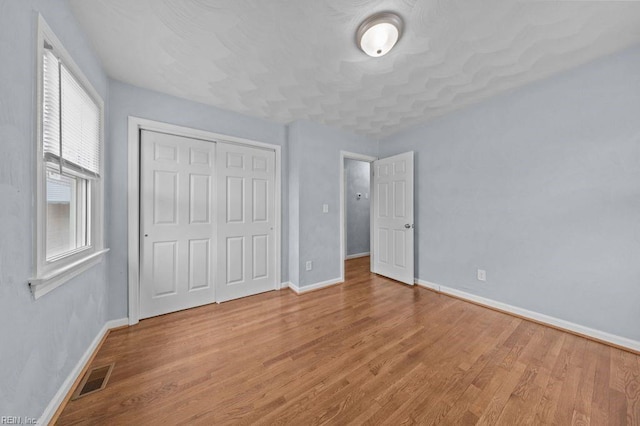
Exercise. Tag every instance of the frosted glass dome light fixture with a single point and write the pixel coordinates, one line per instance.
(377, 34)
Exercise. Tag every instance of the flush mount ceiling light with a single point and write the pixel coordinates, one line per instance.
(377, 35)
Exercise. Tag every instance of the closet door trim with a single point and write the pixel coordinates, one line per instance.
(135, 126)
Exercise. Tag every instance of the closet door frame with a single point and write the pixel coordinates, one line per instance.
(136, 125)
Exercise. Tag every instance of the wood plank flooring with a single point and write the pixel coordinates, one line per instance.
(369, 351)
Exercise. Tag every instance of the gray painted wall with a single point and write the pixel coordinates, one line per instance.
(358, 232)
(127, 100)
(540, 187)
(40, 341)
(315, 151)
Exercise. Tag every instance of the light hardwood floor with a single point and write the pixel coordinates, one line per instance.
(369, 351)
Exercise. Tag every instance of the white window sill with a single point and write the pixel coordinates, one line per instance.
(43, 285)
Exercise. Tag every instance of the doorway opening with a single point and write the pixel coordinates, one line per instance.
(357, 175)
(391, 196)
(356, 201)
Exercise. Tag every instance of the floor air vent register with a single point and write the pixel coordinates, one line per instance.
(94, 380)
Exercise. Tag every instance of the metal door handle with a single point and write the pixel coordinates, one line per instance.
(406, 225)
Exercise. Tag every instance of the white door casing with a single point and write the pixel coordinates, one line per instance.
(246, 221)
(135, 127)
(393, 217)
(177, 225)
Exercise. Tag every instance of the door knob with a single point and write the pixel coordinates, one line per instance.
(406, 225)
(146, 235)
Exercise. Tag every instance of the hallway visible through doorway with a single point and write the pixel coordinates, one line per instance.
(357, 268)
(358, 208)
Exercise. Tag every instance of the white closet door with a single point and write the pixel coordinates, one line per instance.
(393, 217)
(177, 223)
(246, 222)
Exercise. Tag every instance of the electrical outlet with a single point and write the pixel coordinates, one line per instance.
(482, 275)
(325, 208)
(309, 265)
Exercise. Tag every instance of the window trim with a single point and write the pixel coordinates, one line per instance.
(53, 273)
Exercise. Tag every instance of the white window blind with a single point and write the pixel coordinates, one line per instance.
(70, 121)
(51, 107)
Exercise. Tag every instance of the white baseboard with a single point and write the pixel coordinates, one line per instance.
(603, 336)
(59, 397)
(427, 284)
(284, 285)
(316, 286)
(117, 323)
(357, 255)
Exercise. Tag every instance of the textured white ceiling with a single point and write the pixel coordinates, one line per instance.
(296, 59)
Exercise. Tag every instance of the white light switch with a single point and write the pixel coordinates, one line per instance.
(308, 265)
(366, 195)
(482, 275)
(325, 208)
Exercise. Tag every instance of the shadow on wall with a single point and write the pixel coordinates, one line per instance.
(357, 223)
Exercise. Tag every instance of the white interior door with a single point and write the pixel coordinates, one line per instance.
(393, 217)
(246, 206)
(177, 223)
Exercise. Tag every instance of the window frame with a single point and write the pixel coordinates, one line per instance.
(52, 273)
